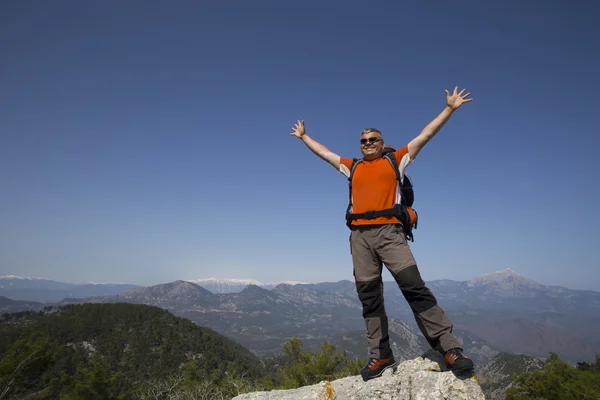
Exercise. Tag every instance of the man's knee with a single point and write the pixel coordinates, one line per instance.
(370, 294)
(413, 288)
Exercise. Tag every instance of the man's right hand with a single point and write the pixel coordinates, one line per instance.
(298, 129)
(314, 146)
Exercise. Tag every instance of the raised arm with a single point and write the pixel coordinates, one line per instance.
(316, 147)
(453, 102)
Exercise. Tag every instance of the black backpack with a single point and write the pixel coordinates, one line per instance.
(403, 211)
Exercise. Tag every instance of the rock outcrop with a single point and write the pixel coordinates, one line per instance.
(417, 379)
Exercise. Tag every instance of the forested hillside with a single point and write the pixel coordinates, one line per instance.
(133, 351)
(104, 351)
(558, 380)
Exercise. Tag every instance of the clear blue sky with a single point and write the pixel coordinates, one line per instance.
(148, 141)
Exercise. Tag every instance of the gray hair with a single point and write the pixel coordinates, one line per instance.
(369, 130)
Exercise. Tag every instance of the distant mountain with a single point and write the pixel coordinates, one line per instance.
(478, 349)
(497, 312)
(5, 301)
(507, 290)
(502, 290)
(518, 315)
(218, 286)
(310, 297)
(534, 334)
(26, 282)
(224, 285)
(505, 283)
(10, 306)
(496, 376)
(259, 319)
(47, 291)
(262, 320)
(498, 291)
(508, 311)
(174, 294)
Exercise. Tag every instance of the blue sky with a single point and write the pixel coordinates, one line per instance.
(148, 141)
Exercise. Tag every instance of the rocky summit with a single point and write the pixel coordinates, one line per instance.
(417, 379)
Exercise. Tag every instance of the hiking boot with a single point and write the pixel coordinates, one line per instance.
(456, 360)
(375, 368)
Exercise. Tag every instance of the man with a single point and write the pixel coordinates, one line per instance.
(381, 240)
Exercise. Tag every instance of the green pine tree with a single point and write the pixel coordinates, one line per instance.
(558, 380)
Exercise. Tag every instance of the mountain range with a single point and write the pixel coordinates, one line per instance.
(47, 290)
(493, 313)
(225, 285)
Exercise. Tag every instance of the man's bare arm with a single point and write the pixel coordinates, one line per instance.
(316, 147)
(453, 102)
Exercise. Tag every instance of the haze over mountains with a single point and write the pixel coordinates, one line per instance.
(47, 290)
(496, 312)
(224, 285)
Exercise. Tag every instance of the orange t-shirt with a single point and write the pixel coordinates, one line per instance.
(374, 186)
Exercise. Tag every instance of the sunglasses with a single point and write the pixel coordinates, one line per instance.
(372, 139)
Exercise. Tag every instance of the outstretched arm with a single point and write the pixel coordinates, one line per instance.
(316, 147)
(453, 102)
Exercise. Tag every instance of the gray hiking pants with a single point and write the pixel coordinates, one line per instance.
(372, 246)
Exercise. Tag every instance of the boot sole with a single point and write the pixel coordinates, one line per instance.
(462, 367)
(380, 372)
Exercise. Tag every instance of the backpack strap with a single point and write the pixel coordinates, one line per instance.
(391, 157)
(355, 162)
(398, 210)
(405, 186)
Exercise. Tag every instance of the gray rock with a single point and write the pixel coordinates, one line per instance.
(417, 379)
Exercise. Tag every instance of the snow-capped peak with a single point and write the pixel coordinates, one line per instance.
(225, 281)
(507, 276)
(25, 278)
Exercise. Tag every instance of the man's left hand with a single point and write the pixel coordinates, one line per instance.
(456, 99)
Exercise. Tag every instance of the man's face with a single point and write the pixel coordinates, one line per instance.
(371, 145)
